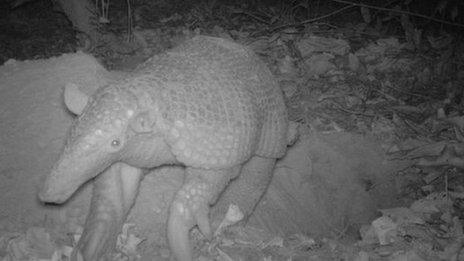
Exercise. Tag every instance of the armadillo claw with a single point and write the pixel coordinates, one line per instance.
(184, 215)
(96, 242)
(179, 225)
(202, 220)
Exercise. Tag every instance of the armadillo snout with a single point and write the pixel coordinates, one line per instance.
(59, 186)
(49, 195)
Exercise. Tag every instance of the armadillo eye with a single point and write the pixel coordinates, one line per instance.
(115, 143)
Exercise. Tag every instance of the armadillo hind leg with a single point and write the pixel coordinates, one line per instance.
(247, 190)
(190, 207)
(114, 193)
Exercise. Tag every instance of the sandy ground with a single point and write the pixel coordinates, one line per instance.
(328, 183)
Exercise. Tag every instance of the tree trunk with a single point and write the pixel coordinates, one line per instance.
(79, 12)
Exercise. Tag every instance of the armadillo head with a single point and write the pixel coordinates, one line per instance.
(97, 138)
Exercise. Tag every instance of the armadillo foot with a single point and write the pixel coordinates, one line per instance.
(113, 195)
(247, 190)
(189, 208)
(97, 241)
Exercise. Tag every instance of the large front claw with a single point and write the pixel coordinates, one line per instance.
(98, 241)
(114, 193)
(191, 208)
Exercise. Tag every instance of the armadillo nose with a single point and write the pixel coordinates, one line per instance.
(49, 195)
(44, 196)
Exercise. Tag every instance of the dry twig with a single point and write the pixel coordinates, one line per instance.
(448, 157)
(310, 20)
(399, 12)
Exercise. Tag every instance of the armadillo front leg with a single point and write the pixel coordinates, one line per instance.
(190, 207)
(247, 190)
(114, 193)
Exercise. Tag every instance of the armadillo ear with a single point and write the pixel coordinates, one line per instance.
(141, 123)
(74, 98)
